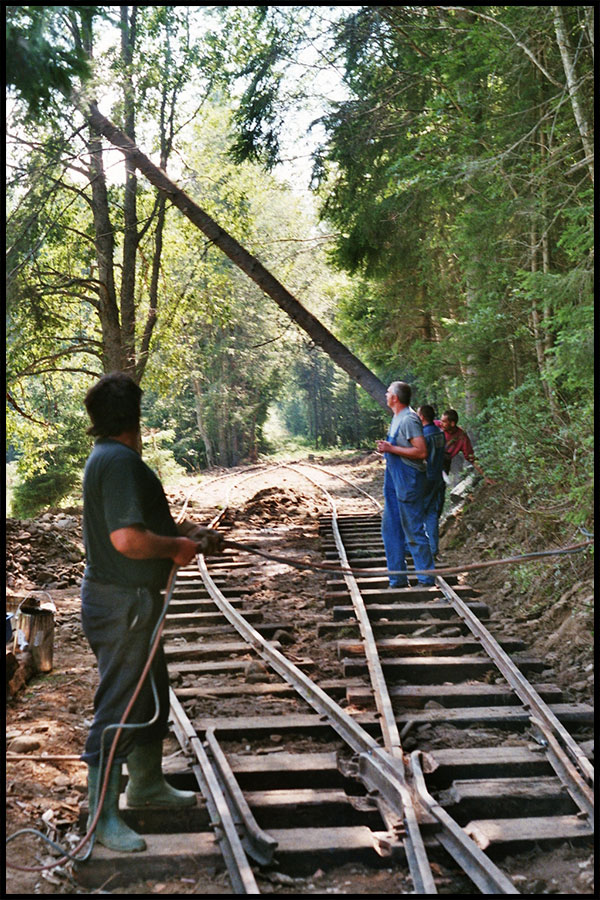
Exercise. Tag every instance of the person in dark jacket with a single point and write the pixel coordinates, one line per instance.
(433, 496)
(131, 543)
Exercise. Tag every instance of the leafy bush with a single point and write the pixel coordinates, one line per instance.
(41, 491)
(550, 461)
(159, 457)
(50, 464)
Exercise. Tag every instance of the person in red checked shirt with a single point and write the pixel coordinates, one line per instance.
(457, 441)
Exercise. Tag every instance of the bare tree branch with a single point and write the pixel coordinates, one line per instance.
(22, 412)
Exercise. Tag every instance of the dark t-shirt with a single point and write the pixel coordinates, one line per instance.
(436, 443)
(120, 490)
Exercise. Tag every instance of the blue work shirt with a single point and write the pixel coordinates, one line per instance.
(407, 474)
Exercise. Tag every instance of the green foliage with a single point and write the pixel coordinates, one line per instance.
(261, 42)
(452, 177)
(459, 207)
(550, 465)
(178, 420)
(41, 491)
(159, 456)
(324, 404)
(51, 460)
(38, 61)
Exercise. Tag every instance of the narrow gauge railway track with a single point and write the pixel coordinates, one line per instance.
(414, 665)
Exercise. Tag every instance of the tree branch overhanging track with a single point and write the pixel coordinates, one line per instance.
(239, 255)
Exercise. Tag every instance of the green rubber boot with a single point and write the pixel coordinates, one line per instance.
(111, 830)
(147, 786)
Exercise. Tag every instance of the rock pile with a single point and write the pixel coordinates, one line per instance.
(44, 552)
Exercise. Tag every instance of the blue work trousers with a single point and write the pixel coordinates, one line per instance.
(402, 526)
(433, 501)
(118, 623)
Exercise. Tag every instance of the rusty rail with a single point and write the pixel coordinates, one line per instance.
(383, 769)
(568, 760)
(419, 866)
(481, 870)
(238, 867)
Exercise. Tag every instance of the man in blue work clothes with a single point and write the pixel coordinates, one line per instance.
(131, 543)
(405, 452)
(433, 497)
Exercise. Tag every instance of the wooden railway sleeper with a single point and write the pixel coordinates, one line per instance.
(392, 782)
(381, 774)
(414, 847)
(379, 769)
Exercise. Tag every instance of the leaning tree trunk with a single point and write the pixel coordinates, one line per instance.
(248, 263)
(112, 358)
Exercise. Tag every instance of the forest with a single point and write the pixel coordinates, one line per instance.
(266, 214)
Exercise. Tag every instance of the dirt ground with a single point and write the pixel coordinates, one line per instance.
(547, 603)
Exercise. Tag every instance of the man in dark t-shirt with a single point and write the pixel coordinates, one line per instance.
(131, 543)
(120, 491)
(433, 495)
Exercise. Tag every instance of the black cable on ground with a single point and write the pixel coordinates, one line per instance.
(332, 567)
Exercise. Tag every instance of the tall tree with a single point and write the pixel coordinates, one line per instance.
(120, 231)
(117, 344)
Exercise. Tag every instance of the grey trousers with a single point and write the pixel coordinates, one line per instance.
(118, 623)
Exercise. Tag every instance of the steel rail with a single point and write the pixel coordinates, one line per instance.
(346, 727)
(238, 867)
(380, 770)
(416, 854)
(257, 843)
(356, 487)
(383, 703)
(461, 847)
(581, 792)
(480, 869)
(387, 721)
(567, 772)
